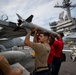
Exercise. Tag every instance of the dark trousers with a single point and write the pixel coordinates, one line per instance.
(45, 72)
(56, 65)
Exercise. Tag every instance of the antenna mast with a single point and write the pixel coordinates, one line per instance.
(67, 5)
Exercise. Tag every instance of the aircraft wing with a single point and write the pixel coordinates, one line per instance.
(7, 28)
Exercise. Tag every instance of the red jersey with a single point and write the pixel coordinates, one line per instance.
(52, 53)
(58, 46)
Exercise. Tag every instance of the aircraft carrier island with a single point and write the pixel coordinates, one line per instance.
(66, 22)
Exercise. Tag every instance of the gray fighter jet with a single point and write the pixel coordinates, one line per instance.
(7, 44)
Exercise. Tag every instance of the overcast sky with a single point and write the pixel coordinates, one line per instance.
(43, 10)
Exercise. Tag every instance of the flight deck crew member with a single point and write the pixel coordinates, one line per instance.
(42, 50)
(58, 46)
(6, 69)
(52, 52)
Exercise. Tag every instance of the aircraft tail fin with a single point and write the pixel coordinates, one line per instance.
(20, 18)
(29, 19)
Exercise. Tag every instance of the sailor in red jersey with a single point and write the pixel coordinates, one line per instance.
(58, 46)
(50, 58)
(52, 52)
